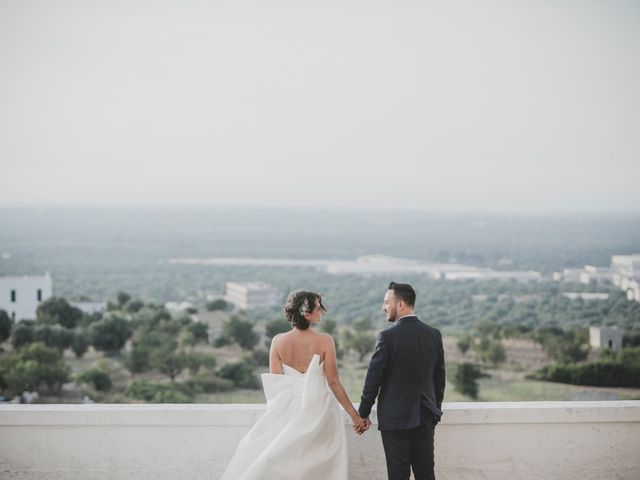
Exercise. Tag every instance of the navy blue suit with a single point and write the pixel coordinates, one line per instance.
(407, 375)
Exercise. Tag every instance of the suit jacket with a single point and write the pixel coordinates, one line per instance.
(407, 371)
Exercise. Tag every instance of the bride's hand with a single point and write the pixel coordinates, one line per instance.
(359, 425)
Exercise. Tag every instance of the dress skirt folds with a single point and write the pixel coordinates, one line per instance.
(300, 436)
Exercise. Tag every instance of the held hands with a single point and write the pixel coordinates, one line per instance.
(360, 425)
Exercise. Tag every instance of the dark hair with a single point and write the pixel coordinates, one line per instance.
(297, 302)
(404, 292)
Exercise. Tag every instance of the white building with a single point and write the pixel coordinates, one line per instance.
(591, 274)
(625, 271)
(528, 276)
(252, 294)
(178, 307)
(20, 296)
(605, 337)
(632, 287)
(586, 296)
(567, 275)
(625, 266)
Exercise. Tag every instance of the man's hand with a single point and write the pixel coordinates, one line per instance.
(367, 424)
(361, 425)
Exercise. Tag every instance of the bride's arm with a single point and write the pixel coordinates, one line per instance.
(333, 380)
(275, 366)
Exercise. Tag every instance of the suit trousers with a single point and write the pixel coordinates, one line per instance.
(407, 450)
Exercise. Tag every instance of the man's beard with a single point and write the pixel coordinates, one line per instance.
(392, 315)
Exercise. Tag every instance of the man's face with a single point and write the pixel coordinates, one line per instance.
(390, 306)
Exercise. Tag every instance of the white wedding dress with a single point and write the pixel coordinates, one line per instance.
(301, 435)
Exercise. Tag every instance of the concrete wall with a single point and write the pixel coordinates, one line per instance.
(510, 441)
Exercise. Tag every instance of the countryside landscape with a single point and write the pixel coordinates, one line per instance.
(164, 332)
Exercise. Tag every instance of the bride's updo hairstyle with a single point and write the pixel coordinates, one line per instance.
(298, 303)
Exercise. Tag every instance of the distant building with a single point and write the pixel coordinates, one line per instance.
(591, 274)
(252, 294)
(587, 275)
(178, 307)
(632, 287)
(625, 266)
(586, 296)
(605, 337)
(528, 276)
(625, 271)
(20, 296)
(567, 275)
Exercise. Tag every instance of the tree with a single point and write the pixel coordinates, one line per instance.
(495, 353)
(362, 342)
(134, 305)
(168, 361)
(241, 331)
(138, 360)
(22, 335)
(241, 374)
(195, 360)
(31, 367)
(464, 343)
(200, 331)
(80, 342)
(123, 298)
(363, 324)
(6, 323)
(53, 336)
(274, 327)
(110, 334)
(218, 304)
(466, 378)
(330, 327)
(100, 379)
(487, 328)
(221, 341)
(56, 310)
(157, 393)
(564, 346)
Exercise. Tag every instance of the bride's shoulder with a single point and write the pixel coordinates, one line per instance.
(325, 338)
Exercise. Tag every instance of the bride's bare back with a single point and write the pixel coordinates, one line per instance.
(297, 347)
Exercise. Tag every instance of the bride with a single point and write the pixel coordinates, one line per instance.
(301, 434)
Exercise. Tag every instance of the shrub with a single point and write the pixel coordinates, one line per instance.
(222, 341)
(466, 378)
(80, 342)
(32, 366)
(22, 335)
(259, 358)
(100, 379)
(597, 374)
(216, 305)
(209, 382)
(240, 374)
(110, 334)
(156, 393)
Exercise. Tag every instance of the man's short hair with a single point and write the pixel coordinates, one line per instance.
(404, 292)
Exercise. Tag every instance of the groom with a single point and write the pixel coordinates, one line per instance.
(407, 370)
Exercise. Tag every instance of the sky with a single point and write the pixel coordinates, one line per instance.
(505, 106)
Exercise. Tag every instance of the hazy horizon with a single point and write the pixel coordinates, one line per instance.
(457, 107)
